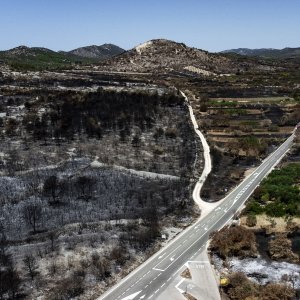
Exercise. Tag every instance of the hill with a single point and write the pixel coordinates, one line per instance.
(161, 55)
(36, 58)
(98, 52)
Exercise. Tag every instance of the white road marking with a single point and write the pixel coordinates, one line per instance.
(178, 284)
(198, 261)
(158, 270)
(130, 297)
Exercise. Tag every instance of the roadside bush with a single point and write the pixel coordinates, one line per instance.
(251, 220)
(280, 248)
(277, 291)
(253, 207)
(240, 287)
(234, 241)
(252, 144)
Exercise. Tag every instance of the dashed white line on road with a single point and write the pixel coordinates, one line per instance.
(160, 270)
(162, 255)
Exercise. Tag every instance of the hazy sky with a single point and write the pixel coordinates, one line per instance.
(212, 25)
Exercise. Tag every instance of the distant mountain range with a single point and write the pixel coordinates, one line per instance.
(35, 58)
(99, 52)
(286, 53)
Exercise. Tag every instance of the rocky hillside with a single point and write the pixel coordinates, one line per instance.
(98, 52)
(168, 56)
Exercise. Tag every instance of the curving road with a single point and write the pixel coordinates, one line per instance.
(152, 277)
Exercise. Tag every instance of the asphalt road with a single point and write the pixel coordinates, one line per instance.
(150, 279)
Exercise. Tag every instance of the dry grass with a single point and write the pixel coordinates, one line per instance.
(263, 222)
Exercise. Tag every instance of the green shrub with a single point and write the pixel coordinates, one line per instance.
(251, 220)
(278, 194)
(275, 209)
(254, 207)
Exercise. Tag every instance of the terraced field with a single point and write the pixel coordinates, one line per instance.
(242, 131)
